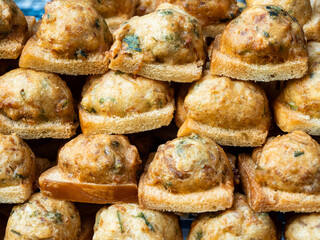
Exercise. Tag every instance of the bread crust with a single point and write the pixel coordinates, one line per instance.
(42, 59)
(160, 71)
(224, 65)
(228, 137)
(42, 130)
(265, 199)
(138, 122)
(289, 120)
(55, 184)
(11, 46)
(155, 197)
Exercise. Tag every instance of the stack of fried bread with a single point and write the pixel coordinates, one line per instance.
(117, 118)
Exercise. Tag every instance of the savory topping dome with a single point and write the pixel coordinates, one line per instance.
(120, 94)
(301, 9)
(35, 97)
(99, 159)
(73, 29)
(262, 35)
(168, 35)
(129, 221)
(10, 17)
(189, 164)
(17, 161)
(114, 8)
(208, 11)
(222, 102)
(303, 95)
(239, 222)
(304, 226)
(44, 218)
(289, 163)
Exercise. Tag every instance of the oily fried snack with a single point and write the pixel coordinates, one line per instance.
(252, 48)
(298, 105)
(304, 226)
(145, 7)
(283, 175)
(13, 30)
(129, 221)
(36, 105)
(118, 103)
(177, 181)
(114, 12)
(238, 222)
(17, 169)
(60, 46)
(42, 217)
(94, 169)
(165, 45)
(231, 112)
(212, 15)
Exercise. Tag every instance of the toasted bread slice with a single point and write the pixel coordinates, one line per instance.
(55, 184)
(42, 59)
(138, 122)
(229, 137)
(160, 71)
(224, 65)
(265, 199)
(42, 130)
(216, 199)
(289, 120)
(12, 45)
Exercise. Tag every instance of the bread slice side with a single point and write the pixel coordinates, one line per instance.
(12, 45)
(265, 199)
(160, 71)
(41, 130)
(289, 120)
(17, 194)
(138, 122)
(224, 65)
(227, 137)
(156, 197)
(55, 184)
(42, 59)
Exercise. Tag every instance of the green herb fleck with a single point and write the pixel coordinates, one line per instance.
(48, 16)
(312, 74)
(80, 53)
(169, 37)
(115, 143)
(180, 148)
(141, 215)
(133, 42)
(97, 23)
(118, 72)
(274, 11)
(199, 235)
(298, 153)
(159, 103)
(91, 110)
(165, 12)
(54, 216)
(65, 103)
(167, 184)
(120, 222)
(17, 175)
(293, 106)
(243, 52)
(266, 34)
(35, 213)
(23, 94)
(111, 99)
(154, 39)
(15, 232)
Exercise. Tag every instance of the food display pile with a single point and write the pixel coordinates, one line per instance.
(160, 120)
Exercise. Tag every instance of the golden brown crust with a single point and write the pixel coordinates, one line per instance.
(150, 54)
(238, 222)
(60, 46)
(17, 169)
(166, 183)
(43, 218)
(290, 186)
(129, 221)
(261, 52)
(232, 112)
(55, 184)
(304, 226)
(312, 27)
(13, 30)
(148, 104)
